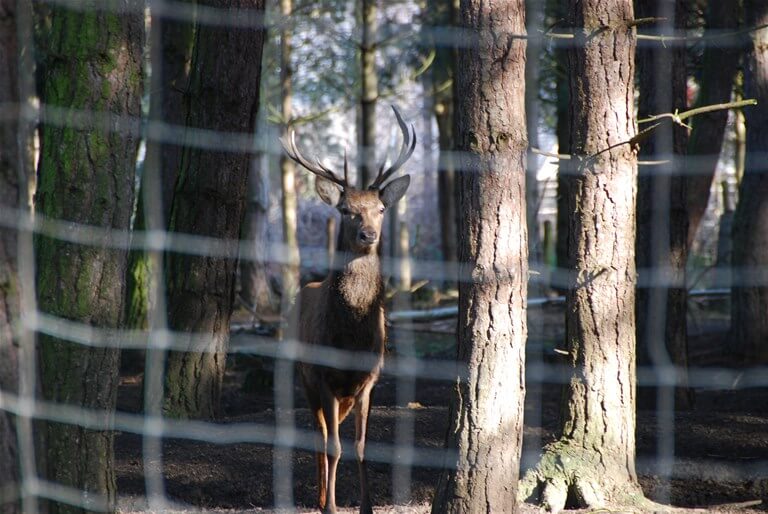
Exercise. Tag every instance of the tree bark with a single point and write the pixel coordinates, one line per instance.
(255, 288)
(369, 94)
(749, 314)
(661, 307)
(534, 19)
(487, 409)
(593, 462)
(169, 83)
(11, 188)
(441, 13)
(92, 63)
(720, 63)
(563, 172)
(209, 200)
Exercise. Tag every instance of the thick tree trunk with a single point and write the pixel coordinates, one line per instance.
(593, 462)
(209, 200)
(11, 187)
(662, 335)
(369, 94)
(487, 408)
(169, 84)
(720, 62)
(749, 318)
(92, 62)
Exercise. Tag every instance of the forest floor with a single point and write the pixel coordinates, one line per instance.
(720, 446)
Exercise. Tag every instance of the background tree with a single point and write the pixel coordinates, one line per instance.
(170, 77)
(369, 94)
(287, 169)
(662, 335)
(534, 20)
(209, 200)
(487, 409)
(749, 314)
(91, 63)
(720, 62)
(11, 194)
(441, 15)
(593, 460)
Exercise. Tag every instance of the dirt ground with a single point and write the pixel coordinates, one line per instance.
(720, 446)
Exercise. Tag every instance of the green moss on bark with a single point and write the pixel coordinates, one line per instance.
(87, 178)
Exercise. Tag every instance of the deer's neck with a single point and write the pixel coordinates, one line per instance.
(359, 285)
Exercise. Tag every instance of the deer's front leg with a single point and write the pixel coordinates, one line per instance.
(333, 448)
(362, 411)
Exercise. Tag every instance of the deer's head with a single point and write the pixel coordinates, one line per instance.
(362, 211)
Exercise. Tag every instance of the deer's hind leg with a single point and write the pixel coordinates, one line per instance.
(321, 455)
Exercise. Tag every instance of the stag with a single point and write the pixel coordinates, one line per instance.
(346, 311)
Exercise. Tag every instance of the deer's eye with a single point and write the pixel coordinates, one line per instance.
(381, 210)
(344, 211)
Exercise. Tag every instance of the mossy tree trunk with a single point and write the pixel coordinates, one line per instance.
(209, 200)
(169, 83)
(662, 335)
(719, 65)
(593, 461)
(749, 315)
(11, 188)
(92, 63)
(486, 414)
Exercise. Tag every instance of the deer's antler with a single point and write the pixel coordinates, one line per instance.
(409, 144)
(318, 168)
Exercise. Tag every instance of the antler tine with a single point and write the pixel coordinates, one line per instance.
(318, 169)
(409, 145)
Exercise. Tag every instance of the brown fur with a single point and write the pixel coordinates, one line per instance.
(345, 311)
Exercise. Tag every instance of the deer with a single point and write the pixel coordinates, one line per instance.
(346, 311)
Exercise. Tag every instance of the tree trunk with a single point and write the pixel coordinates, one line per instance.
(662, 335)
(593, 462)
(487, 408)
(167, 106)
(749, 315)
(441, 13)
(11, 191)
(209, 200)
(720, 62)
(92, 62)
(368, 95)
(170, 77)
(255, 288)
(534, 19)
(563, 216)
(287, 169)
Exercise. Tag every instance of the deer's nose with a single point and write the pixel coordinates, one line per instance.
(367, 236)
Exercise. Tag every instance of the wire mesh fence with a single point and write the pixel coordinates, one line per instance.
(259, 452)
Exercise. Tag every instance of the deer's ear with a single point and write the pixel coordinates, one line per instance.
(327, 191)
(394, 191)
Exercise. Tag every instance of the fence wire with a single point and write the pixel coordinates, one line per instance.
(407, 368)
